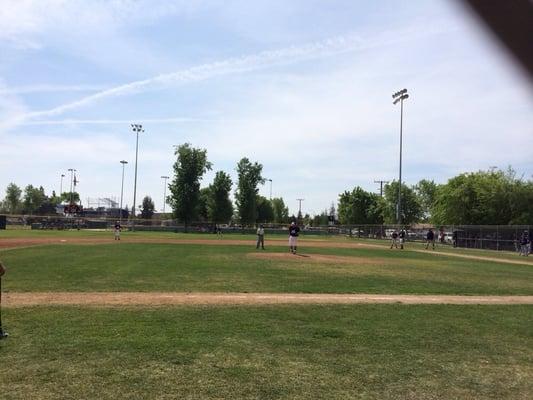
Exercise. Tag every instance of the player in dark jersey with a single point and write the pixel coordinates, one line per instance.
(118, 228)
(430, 238)
(394, 239)
(401, 235)
(294, 231)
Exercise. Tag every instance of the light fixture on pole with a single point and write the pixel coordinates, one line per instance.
(72, 170)
(136, 128)
(164, 191)
(123, 162)
(400, 96)
(270, 180)
(61, 185)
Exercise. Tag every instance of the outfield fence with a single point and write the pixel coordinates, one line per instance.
(493, 237)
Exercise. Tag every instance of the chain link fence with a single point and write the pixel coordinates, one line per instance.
(492, 237)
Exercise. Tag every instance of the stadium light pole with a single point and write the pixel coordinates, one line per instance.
(61, 185)
(136, 128)
(164, 191)
(72, 170)
(123, 162)
(400, 96)
(270, 180)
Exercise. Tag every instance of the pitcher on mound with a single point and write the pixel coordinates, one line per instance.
(294, 231)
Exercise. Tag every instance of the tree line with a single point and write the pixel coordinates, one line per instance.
(478, 198)
(491, 197)
(213, 204)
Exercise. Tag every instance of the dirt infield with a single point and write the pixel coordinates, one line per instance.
(12, 243)
(8, 243)
(103, 299)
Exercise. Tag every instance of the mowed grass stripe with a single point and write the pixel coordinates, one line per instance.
(202, 268)
(269, 352)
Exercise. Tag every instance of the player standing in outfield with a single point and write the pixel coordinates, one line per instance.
(394, 239)
(524, 244)
(260, 237)
(401, 235)
(294, 231)
(430, 238)
(118, 228)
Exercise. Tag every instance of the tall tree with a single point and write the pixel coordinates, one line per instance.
(484, 198)
(322, 218)
(246, 194)
(219, 206)
(66, 197)
(203, 200)
(13, 199)
(411, 209)
(426, 191)
(281, 211)
(359, 207)
(34, 198)
(148, 207)
(265, 211)
(189, 168)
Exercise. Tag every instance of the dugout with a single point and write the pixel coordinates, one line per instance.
(3, 222)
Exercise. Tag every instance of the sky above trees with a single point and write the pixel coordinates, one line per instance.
(302, 87)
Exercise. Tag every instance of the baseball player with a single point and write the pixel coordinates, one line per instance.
(401, 235)
(430, 238)
(524, 244)
(260, 237)
(394, 239)
(3, 334)
(294, 231)
(118, 228)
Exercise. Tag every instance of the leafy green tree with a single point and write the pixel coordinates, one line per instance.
(484, 198)
(190, 166)
(246, 194)
(411, 209)
(34, 198)
(13, 200)
(203, 200)
(265, 211)
(281, 211)
(148, 208)
(426, 191)
(219, 206)
(322, 218)
(359, 207)
(67, 196)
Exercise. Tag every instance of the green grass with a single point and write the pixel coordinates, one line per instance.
(288, 352)
(203, 268)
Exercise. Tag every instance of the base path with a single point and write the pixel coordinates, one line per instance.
(102, 299)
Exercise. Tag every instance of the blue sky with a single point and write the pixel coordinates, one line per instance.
(303, 87)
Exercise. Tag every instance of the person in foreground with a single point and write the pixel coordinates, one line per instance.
(3, 334)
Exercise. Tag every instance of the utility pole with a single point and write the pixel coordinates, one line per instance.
(300, 206)
(381, 186)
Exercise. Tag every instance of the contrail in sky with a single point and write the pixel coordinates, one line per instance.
(247, 63)
(265, 59)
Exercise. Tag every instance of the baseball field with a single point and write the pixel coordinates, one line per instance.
(196, 316)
